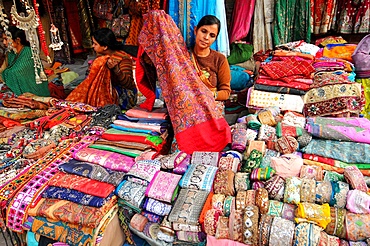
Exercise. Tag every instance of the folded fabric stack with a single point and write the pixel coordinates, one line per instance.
(286, 72)
(137, 131)
(333, 92)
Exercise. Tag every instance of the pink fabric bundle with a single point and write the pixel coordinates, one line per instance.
(239, 139)
(358, 202)
(287, 165)
(355, 178)
(111, 160)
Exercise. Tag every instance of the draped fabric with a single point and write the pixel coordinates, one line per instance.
(96, 90)
(353, 16)
(263, 19)
(292, 21)
(322, 13)
(191, 107)
(241, 22)
(187, 13)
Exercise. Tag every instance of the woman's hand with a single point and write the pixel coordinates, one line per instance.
(111, 63)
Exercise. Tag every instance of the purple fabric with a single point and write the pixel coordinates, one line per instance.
(361, 55)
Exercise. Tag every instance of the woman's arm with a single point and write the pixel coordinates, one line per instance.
(223, 81)
(122, 74)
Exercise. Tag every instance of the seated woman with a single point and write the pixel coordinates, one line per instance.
(110, 80)
(211, 66)
(19, 74)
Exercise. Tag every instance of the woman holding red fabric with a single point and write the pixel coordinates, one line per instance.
(212, 66)
(110, 80)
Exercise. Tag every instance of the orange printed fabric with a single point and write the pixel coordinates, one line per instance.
(82, 184)
(96, 90)
(70, 212)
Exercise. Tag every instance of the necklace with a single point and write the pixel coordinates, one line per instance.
(29, 24)
(5, 24)
(56, 41)
(41, 32)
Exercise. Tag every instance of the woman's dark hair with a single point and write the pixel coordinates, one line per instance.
(106, 37)
(18, 33)
(209, 20)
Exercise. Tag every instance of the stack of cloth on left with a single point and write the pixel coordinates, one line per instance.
(78, 199)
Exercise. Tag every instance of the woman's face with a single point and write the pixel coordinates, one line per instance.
(205, 35)
(5, 40)
(97, 47)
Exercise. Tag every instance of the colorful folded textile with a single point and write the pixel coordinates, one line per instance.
(229, 163)
(92, 171)
(188, 206)
(306, 234)
(164, 186)
(241, 181)
(338, 198)
(292, 190)
(336, 226)
(287, 130)
(160, 128)
(357, 226)
(155, 142)
(60, 231)
(348, 152)
(345, 129)
(75, 196)
(174, 160)
(263, 99)
(199, 177)
(142, 172)
(313, 213)
(152, 217)
(132, 193)
(239, 140)
(355, 178)
(82, 184)
(250, 225)
(262, 174)
(281, 232)
(275, 187)
(323, 192)
(129, 152)
(205, 158)
(142, 113)
(254, 160)
(224, 183)
(344, 98)
(124, 144)
(282, 89)
(286, 166)
(54, 209)
(157, 207)
(358, 202)
(311, 172)
(138, 222)
(111, 160)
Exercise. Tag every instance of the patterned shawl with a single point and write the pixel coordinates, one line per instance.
(191, 107)
(96, 90)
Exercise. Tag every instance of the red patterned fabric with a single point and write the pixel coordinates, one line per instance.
(287, 70)
(191, 106)
(82, 184)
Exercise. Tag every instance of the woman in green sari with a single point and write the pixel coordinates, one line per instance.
(19, 75)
